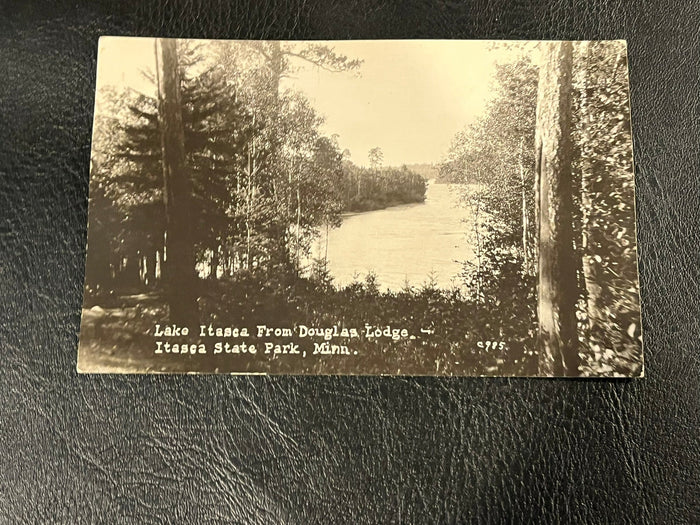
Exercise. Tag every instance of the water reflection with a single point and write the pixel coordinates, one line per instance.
(411, 243)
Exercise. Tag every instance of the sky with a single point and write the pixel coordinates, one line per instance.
(409, 97)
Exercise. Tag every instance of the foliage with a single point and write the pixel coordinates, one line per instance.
(266, 180)
(493, 160)
(363, 189)
(375, 157)
(611, 342)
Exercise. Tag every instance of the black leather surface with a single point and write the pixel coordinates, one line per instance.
(109, 449)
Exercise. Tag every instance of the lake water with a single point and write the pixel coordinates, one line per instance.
(412, 242)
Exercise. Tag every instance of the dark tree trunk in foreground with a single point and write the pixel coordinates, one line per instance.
(557, 290)
(529, 266)
(178, 271)
(150, 271)
(214, 266)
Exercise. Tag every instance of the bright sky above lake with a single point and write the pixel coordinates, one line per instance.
(409, 97)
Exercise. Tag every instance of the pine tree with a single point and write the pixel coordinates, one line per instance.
(179, 268)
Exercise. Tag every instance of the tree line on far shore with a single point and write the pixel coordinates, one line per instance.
(211, 191)
(221, 170)
(550, 182)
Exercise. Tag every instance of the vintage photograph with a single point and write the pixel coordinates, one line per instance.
(406, 207)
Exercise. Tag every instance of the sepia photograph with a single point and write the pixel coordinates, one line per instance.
(386, 207)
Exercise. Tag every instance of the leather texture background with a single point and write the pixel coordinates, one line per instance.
(184, 449)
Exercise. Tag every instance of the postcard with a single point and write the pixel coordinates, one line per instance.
(405, 207)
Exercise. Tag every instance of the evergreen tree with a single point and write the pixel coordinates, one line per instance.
(177, 189)
(606, 185)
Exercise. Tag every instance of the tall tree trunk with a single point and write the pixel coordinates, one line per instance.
(179, 271)
(277, 64)
(159, 264)
(215, 260)
(130, 275)
(250, 194)
(527, 256)
(150, 273)
(477, 233)
(298, 229)
(557, 290)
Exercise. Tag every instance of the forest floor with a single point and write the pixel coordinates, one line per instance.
(443, 333)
